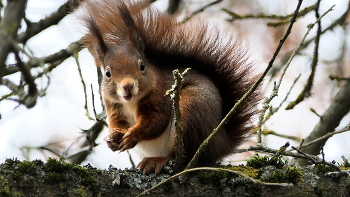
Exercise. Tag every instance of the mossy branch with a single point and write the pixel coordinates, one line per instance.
(217, 170)
(174, 94)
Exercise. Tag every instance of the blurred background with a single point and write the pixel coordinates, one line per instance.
(58, 119)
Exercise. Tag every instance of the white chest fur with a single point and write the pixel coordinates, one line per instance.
(159, 147)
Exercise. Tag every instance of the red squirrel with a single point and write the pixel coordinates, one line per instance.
(138, 47)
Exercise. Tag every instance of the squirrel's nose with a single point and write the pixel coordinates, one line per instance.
(128, 86)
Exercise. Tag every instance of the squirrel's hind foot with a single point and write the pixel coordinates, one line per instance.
(148, 163)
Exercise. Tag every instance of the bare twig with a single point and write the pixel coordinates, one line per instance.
(13, 14)
(328, 135)
(92, 133)
(270, 132)
(273, 110)
(276, 87)
(314, 111)
(317, 162)
(332, 77)
(35, 28)
(98, 118)
(330, 120)
(306, 92)
(28, 78)
(75, 55)
(56, 57)
(23, 97)
(201, 10)
(283, 19)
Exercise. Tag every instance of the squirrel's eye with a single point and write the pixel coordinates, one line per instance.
(142, 66)
(107, 73)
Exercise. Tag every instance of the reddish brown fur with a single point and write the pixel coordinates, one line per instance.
(220, 75)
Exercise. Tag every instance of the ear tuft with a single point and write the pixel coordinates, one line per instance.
(98, 45)
(129, 22)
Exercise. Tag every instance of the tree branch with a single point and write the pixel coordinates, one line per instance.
(35, 28)
(330, 120)
(13, 14)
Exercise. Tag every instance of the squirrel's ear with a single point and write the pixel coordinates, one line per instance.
(95, 43)
(136, 40)
(129, 22)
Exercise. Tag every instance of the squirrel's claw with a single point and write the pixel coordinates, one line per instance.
(129, 140)
(113, 139)
(148, 163)
(111, 144)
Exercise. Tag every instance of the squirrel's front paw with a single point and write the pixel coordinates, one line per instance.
(113, 139)
(129, 140)
(111, 143)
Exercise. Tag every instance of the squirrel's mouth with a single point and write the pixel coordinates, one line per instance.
(127, 97)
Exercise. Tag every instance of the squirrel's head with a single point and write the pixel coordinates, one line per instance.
(126, 74)
(119, 50)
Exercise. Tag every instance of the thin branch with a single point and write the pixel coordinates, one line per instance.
(92, 133)
(276, 87)
(330, 119)
(75, 55)
(340, 21)
(317, 162)
(201, 10)
(328, 135)
(35, 28)
(23, 97)
(314, 111)
(306, 92)
(283, 19)
(332, 77)
(28, 78)
(270, 132)
(273, 110)
(36, 62)
(13, 14)
(98, 118)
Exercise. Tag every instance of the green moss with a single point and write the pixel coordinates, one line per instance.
(17, 194)
(212, 176)
(54, 165)
(345, 165)
(4, 188)
(275, 177)
(254, 189)
(38, 162)
(348, 189)
(323, 168)
(291, 175)
(53, 177)
(12, 162)
(25, 166)
(82, 192)
(17, 175)
(246, 170)
(85, 175)
(318, 191)
(261, 161)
